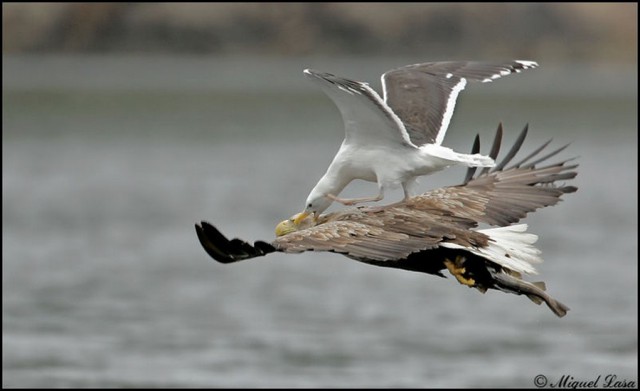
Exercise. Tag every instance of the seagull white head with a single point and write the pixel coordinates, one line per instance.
(316, 203)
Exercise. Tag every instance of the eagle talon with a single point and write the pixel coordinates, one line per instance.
(456, 270)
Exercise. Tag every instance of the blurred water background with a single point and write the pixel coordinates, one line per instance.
(108, 160)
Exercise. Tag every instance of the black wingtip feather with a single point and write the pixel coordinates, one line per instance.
(224, 250)
(545, 157)
(208, 238)
(495, 148)
(524, 163)
(497, 141)
(532, 154)
(514, 150)
(474, 149)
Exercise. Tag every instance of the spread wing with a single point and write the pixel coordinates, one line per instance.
(424, 96)
(388, 235)
(367, 118)
(502, 196)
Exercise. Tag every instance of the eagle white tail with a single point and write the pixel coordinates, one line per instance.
(510, 247)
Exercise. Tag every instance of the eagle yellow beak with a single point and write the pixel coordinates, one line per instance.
(297, 222)
(300, 217)
(285, 227)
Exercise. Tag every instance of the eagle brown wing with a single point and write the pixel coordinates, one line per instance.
(385, 235)
(503, 196)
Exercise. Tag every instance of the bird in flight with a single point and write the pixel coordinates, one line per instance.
(437, 230)
(395, 139)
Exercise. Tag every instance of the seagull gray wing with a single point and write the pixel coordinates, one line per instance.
(367, 118)
(424, 95)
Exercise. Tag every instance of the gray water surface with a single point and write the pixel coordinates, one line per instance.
(106, 285)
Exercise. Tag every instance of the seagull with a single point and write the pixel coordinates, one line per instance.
(395, 139)
(435, 231)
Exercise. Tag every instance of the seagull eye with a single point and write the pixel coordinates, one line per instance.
(309, 206)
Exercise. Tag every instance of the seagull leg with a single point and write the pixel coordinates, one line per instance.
(409, 188)
(353, 201)
(374, 209)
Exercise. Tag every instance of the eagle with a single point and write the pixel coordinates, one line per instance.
(438, 230)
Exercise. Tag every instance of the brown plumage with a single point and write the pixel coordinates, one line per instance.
(420, 94)
(436, 230)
